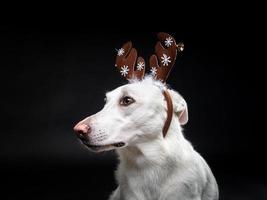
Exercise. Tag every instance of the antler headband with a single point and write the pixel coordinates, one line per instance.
(160, 65)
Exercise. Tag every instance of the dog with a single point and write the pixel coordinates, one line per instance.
(151, 166)
(142, 121)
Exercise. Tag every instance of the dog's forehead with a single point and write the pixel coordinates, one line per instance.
(136, 88)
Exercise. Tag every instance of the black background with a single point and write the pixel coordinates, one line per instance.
(54, 74)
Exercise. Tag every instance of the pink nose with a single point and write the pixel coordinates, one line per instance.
(82, 129)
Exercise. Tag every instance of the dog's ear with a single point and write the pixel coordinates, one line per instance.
(179, 107)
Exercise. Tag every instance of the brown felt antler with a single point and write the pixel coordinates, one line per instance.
(166, 52)
(126, 62)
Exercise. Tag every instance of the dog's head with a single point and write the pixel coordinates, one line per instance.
(134, 113)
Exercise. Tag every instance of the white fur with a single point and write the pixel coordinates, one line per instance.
(151, 166)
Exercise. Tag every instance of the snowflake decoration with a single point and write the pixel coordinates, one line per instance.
(120, 52)
(165, 60)
(140, 66)
(153, 71)
(168, 42)
(124, 70)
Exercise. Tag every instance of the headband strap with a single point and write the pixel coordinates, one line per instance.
(169, 112)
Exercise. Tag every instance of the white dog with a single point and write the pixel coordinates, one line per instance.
(151, 166)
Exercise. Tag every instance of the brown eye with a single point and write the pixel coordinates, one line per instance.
(125, 101)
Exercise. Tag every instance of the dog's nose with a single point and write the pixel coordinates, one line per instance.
(82, 129)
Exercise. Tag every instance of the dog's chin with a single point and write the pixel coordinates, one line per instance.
(106, 147)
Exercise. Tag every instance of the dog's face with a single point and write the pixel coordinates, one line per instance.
(133, 113)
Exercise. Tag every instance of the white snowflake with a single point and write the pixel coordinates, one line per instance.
(120, 52)
(153, 71)
(140, 66)
(168, 42)
(124, 70)
(165, 60)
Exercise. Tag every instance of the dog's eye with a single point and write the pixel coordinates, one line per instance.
(125, 101)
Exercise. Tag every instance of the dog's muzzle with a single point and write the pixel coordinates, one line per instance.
(83, 130)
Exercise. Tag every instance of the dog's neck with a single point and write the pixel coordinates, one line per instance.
(158, 151)
(145, 168)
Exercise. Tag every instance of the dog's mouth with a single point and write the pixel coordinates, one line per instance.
(106, 147)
